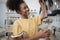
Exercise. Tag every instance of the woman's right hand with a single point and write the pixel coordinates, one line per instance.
(44, 33)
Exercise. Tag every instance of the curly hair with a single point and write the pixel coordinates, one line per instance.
(14, 4)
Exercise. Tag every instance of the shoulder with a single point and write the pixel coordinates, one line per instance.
(16, 21)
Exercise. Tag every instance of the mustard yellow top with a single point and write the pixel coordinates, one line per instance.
(28, 25)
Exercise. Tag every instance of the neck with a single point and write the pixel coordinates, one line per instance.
(25, 17)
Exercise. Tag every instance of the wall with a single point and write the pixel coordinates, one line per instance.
(2, 14)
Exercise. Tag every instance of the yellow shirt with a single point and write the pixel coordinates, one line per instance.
(28, 25)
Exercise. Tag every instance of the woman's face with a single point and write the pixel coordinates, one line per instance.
(24, 10)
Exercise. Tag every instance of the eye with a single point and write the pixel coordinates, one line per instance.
(25, 7)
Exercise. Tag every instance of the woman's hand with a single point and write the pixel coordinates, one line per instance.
(44, 10)
(40, 1)
(44, 33)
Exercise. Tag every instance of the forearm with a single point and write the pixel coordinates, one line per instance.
(44, 11)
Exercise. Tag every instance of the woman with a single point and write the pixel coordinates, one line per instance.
(28, 25)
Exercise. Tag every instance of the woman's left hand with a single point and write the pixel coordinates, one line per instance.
(47, 31)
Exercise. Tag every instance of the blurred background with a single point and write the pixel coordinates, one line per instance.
(52, 20)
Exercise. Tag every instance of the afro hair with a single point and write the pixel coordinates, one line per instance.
(14, 4)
